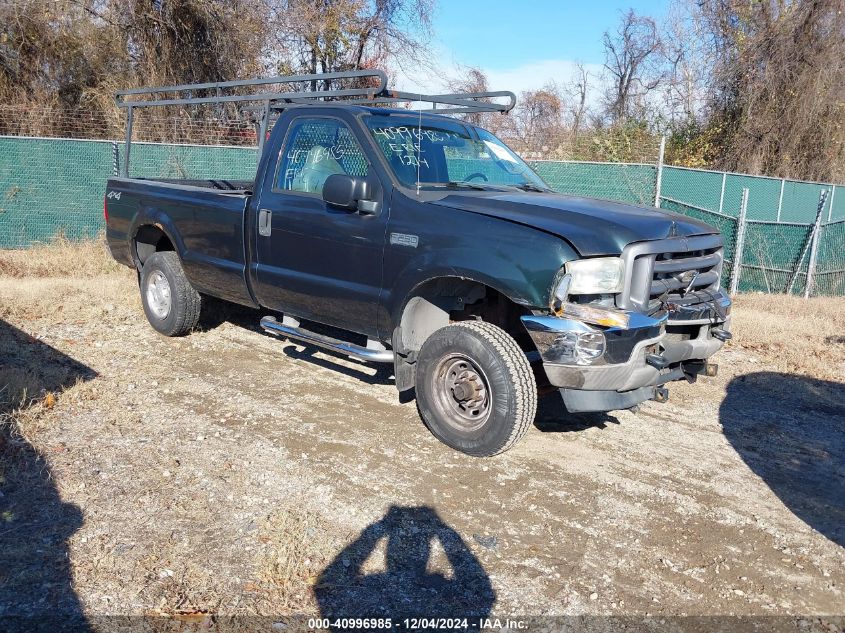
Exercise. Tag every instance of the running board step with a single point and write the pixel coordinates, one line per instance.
(271, 325)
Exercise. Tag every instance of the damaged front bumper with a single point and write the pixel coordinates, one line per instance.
(601, 368)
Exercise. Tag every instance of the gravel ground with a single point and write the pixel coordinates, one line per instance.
(229, 473)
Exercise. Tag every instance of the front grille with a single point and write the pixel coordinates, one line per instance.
(674, 267)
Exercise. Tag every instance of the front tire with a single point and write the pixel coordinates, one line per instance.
(171, 303)
(475, 388)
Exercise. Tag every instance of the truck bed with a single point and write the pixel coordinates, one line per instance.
(204, 220)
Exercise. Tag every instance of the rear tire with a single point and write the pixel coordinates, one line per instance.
(475, 388)
(170, 302)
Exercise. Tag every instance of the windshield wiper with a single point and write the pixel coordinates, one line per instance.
(464, 183)
(527, 186)
(455, 184)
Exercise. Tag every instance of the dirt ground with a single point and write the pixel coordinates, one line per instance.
(229, 473)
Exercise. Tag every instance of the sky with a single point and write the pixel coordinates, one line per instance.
(521, 44)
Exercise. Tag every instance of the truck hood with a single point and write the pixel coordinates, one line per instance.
(593, 227)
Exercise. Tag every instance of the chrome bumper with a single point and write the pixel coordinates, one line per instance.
(650, 352)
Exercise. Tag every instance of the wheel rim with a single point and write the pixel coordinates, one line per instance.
(158, 294)
(462, 392)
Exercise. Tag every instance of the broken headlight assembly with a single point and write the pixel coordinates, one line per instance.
(595, 276)
(590, 278)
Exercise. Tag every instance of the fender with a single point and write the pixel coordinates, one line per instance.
(524, 279)
(216, 277)
(152, 216)
(518, 261)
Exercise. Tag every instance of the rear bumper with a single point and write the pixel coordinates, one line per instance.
(652, 351)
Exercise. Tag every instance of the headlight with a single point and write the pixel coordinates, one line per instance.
(597, 276)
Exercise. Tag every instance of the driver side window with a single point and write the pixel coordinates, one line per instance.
(315, 149)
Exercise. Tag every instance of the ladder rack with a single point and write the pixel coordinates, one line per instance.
(272, 94)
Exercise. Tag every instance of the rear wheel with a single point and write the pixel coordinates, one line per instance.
(475, 388)
(170, 302)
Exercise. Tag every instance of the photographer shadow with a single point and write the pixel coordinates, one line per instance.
(405, 588)
(36, 583)
(790, 431)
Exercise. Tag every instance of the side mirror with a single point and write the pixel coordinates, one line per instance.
(351, 192)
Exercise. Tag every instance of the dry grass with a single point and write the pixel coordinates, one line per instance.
(294, 546)
(60, 258)
(794, 335)
(66, 299)
(72, 280)
(68, 287)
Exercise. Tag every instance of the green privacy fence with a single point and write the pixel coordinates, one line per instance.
(769, 199)
(777, 256)
(780, 217)
(830, 270)
(627, 182)
(49, 186)
(56, 186)
(788, 243)
(151, 160)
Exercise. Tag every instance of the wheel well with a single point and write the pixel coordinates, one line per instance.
(438, 302)
(151, 239)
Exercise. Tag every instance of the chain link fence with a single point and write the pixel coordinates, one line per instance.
(777, 257)
(769, 199)
(55, 186)
(51, 187)
(626, 182)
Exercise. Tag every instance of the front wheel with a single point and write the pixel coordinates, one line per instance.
(171, 303)
(475, 388)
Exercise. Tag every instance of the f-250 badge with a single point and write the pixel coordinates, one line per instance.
(403, 239)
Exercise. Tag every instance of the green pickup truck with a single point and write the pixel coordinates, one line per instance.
(435, 248)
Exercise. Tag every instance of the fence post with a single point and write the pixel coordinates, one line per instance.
(115, 159)
(659, 171)
(830, 206)
(814, 246)
(809, 243)
(780, 198)
(740, 243)
(722, 195)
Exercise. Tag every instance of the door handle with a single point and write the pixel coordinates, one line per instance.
(265, 222)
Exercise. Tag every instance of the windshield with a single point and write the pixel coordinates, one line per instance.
(448, 153)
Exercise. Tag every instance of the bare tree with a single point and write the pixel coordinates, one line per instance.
(778, 86)
(579, 88)
(471, 80)
(68, 48)
(688, 62)
(538, 118)
(630, 56)
(190, 41)
(70, 55)
(337, 35)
